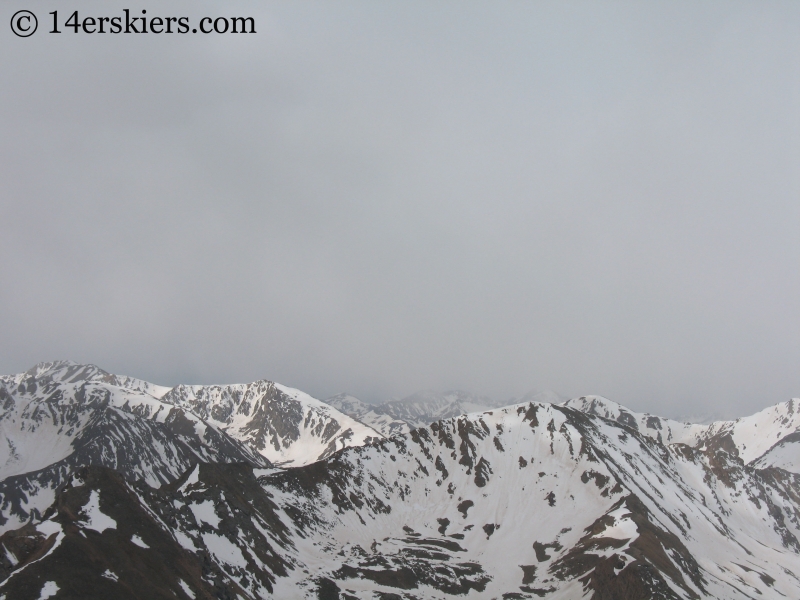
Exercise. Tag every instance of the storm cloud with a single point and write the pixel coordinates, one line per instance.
(591, 197)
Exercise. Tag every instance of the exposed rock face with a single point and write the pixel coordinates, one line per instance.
(596, 510)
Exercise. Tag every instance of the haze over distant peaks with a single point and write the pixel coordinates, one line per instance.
(425, 407)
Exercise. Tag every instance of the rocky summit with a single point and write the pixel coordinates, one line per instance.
(250, 492)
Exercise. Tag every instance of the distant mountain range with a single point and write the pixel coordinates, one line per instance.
(112, 487)
(425, 407)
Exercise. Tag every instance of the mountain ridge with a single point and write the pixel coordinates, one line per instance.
(778, 436)
(532, 500)
(583, 499)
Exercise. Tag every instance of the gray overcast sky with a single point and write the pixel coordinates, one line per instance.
(379, 197)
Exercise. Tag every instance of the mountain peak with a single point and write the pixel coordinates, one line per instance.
(66, 370)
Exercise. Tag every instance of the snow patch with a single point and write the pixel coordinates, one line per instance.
(49, 590)
(623, 528)
(194, 477)
(48, 528)
(200, 429)
(186, 588)
(204, 511)
(94, 518)
(264, 472)
(185, 541)
(138, 541)
(11, 558)
(224, 550)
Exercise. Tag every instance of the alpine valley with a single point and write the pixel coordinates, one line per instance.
(112, 487)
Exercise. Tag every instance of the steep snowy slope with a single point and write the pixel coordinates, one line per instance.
(770, 437)
(785, 454)
(664, 430)
(755, 435)
(282, 424)
(524, 502)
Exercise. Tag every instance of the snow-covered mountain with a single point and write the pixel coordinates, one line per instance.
(769, 438)
(286, 426)
(585, 499)
(528, 501)
(59, 416)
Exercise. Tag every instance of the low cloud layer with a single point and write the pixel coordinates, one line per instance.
(588, 197)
